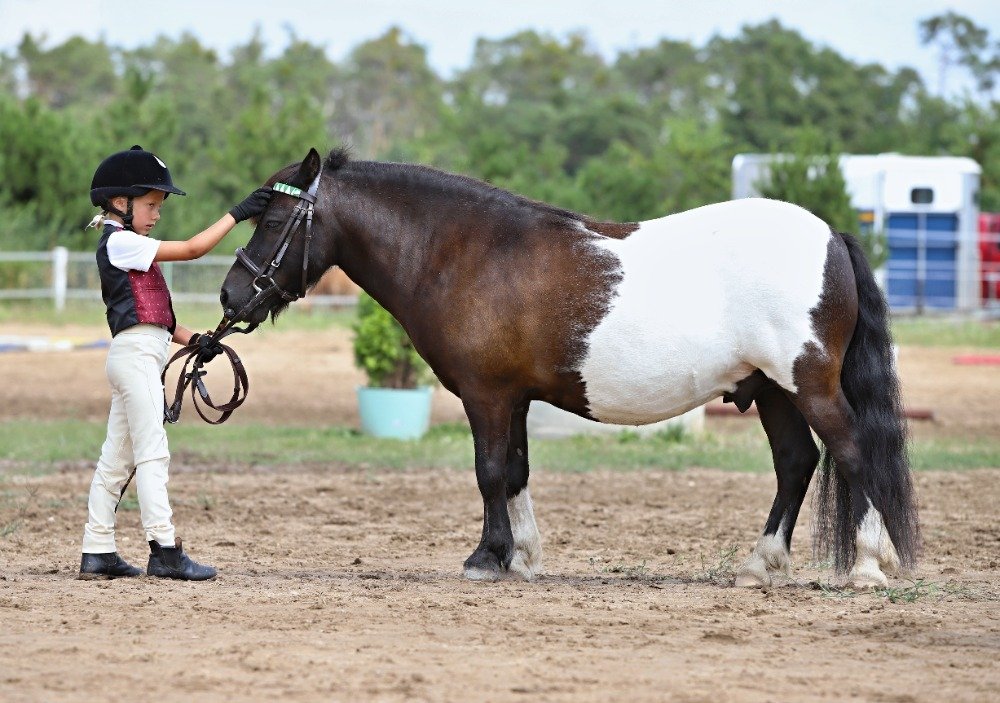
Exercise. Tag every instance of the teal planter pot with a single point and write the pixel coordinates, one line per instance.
(399, 413)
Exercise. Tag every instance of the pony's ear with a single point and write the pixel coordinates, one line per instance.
(308, 170)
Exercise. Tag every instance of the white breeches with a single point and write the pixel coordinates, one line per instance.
(136, 439)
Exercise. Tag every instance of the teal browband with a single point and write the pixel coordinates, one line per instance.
(287, 189)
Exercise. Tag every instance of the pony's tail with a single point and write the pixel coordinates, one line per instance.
(869, 381)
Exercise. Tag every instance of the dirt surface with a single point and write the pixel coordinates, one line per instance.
(346, 586)
(340, 584)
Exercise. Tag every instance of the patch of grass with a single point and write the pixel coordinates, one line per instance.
(946, 332)
(19, 508)
(719, 569)
(634, 572)
(907, 594)
(672, 434)
(831, 591)
(947, 454)
(918, 589)
(129, 503)
(37, 446)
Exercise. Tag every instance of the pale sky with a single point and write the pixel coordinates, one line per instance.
(863, 30)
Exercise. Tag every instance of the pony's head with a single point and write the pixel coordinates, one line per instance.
(286, 254)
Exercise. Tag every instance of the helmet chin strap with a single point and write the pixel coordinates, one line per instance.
(126, 216)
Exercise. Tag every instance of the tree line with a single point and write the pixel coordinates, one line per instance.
(651, 132)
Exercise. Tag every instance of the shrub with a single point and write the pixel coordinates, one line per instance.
(383, 350)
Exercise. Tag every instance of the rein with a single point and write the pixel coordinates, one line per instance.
(193, 378)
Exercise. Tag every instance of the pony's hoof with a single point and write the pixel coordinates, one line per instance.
(474, 573)
(763, 570)
(752, 579)
(521, 567)
(866, 577)
(482, 565)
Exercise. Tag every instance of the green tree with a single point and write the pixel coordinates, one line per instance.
(73, 73)
(811, 178)
(961, 41)
(534, 68)
(672, 78)
(777, 82)
(46, 163)
(388, 93)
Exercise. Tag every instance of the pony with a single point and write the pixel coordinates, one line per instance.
(510, 300)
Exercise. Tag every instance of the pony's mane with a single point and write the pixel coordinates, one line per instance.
(336, 159)
(470, 188)
(419, 174)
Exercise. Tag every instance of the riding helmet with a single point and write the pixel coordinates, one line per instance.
(130, 173)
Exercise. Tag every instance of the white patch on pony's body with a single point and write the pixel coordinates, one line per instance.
(527, 561)
(706, 297)
(769, 558)
(874, 551)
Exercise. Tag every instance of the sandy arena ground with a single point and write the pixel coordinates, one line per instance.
(340, 584)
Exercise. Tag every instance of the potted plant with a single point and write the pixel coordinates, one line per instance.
(397, 402)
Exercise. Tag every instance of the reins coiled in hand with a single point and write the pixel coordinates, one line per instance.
(193, 372)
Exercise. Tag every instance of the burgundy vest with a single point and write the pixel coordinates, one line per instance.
(133, 297)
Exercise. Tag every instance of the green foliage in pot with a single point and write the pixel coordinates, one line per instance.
(383, 350)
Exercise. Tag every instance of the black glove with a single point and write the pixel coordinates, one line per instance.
(208, 348)
(254, 204)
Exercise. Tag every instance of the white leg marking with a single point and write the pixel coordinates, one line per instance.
(527, 561)
(770, 558)
(875, 552)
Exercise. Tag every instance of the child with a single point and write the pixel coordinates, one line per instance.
(129, 187)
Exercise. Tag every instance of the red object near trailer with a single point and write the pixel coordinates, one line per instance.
(989, 257)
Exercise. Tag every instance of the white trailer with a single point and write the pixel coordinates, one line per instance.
(928, 208)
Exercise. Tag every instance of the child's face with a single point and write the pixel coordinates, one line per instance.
(145, 210)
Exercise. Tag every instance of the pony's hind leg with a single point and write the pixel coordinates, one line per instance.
(795, 457)
(527, 560)
(863, 543)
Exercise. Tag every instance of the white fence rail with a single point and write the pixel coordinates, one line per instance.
(61, 275)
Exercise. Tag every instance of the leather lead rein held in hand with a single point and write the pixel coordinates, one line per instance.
(192, 377)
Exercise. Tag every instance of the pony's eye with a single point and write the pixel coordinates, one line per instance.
(272, 224)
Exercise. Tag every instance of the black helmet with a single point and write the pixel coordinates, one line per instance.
(131, 173)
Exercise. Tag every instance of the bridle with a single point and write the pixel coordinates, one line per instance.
(263, 283)
(264, 287)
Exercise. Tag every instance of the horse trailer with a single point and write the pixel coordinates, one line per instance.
(927, 207)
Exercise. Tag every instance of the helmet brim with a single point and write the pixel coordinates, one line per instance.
(160, 186)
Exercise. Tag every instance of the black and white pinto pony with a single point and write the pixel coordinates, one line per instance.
(511, 300)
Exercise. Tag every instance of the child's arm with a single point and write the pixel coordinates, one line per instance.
(198, 245)
(182, 335)
(201, 243)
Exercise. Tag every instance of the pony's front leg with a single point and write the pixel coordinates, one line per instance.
(490, 421)
(527, 561)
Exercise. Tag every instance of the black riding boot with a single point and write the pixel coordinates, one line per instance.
(106, 566)
(173, 563)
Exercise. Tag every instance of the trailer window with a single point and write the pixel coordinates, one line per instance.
(922, 196)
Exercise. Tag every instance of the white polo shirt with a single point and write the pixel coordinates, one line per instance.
(129, 251)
